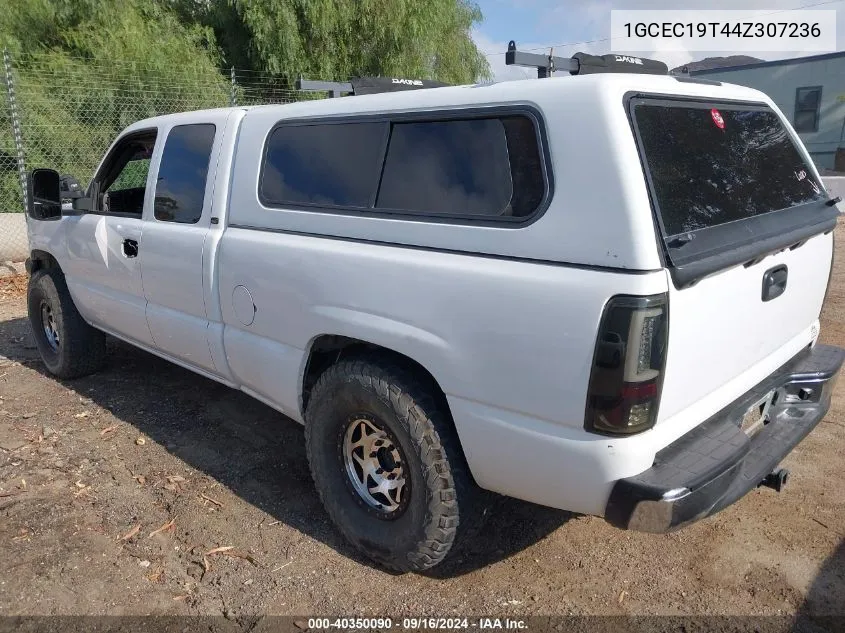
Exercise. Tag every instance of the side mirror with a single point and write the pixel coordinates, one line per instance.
(44, 199)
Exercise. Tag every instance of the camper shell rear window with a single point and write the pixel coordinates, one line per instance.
(710, 165)
(727, 180)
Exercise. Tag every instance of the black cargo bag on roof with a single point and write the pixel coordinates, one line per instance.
(373, 85)
(590, 64)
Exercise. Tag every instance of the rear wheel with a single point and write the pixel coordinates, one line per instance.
(386, 463)
(69, 347)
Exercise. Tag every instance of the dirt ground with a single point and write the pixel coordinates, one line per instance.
(116, 490)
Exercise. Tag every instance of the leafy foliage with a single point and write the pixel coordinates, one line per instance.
(339, 39)
(85, 69)
(73, 94)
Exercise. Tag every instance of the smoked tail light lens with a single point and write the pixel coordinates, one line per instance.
(627, 372)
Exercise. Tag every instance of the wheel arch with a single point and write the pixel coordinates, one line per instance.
(42, 260)
(325, 350)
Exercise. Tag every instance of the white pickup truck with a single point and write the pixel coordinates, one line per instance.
(599, 293)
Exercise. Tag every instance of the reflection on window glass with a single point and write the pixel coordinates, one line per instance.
(132, 176)
(485, 167)
(180, 188)
(455, 167)
(529, 186)
(713, 165)
(333, 165)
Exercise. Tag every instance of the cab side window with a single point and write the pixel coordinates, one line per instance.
(180, 187)
(121, 184)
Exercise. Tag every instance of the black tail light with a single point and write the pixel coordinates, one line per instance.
(627, 372)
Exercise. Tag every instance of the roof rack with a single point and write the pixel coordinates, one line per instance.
(583, 64)
(366, 85)
(334, 88)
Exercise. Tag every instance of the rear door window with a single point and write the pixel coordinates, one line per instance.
(182, 175)
(710, 165)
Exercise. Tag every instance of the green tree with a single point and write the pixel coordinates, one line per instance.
(85, 69)
(339, 39)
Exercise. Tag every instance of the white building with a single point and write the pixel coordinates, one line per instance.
(809, 90)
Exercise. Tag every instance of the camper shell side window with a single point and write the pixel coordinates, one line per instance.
(479, 166)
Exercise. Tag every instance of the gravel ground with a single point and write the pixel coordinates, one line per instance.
(119, 493)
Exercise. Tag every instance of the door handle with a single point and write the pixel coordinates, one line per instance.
(774, 282)
(130, 248)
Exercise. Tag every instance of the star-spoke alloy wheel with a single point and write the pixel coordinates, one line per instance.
(375, 465)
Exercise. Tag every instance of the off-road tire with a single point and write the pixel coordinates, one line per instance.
(82, 348)
(442, 493)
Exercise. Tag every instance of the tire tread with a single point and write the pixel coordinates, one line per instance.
(437, 445)
(83, 347)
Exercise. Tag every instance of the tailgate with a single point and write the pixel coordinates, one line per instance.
(746, 227)
(721, 334)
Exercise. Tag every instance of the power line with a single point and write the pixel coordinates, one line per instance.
(607, 39)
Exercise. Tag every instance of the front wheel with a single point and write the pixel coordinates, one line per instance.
(386, 463)
(69, 347)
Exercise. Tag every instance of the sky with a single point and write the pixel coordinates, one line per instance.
(572, 26)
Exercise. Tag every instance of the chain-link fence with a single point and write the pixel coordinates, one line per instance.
(64, 114)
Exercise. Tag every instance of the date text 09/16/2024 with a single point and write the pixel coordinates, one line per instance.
(411, 623)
